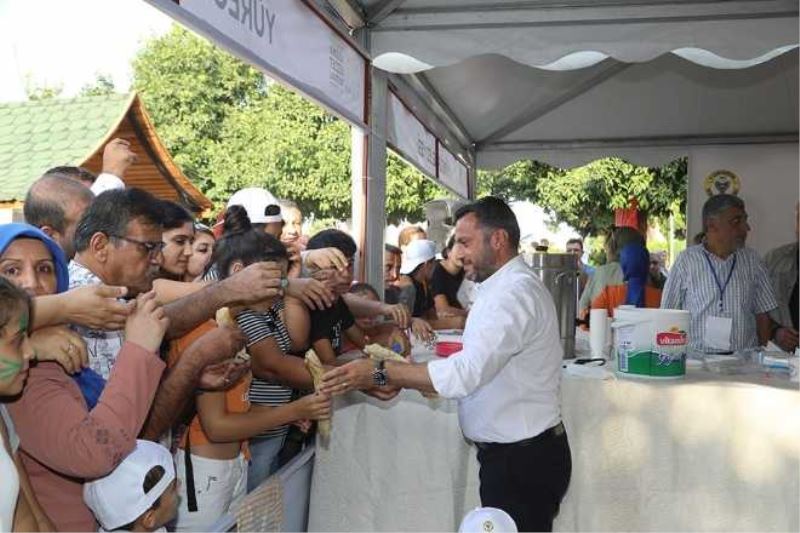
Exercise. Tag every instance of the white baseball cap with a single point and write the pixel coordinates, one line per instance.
(417, 252)
(119, 498)
(487, 520)
(255, 201)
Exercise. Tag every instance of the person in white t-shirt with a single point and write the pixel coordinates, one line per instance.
(506, 378)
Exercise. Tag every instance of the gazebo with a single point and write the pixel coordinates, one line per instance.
(38, 135)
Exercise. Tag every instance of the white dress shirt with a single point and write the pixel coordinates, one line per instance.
(507, 377)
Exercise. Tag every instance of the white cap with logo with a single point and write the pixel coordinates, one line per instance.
(119, 498)
(417, 252)
(255, 201)
(487, 520)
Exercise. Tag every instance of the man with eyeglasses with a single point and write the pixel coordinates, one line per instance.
(117, 242)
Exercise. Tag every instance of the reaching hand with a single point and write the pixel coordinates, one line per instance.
(62, 345)
(314, 294)
(315, 406)
(399, 313)
(118, 157)
(222, 376)
(352, 376)
(422, 330)
(258, 282)
(786, 338)
(324, 258)
(147, 323)
(98, 307)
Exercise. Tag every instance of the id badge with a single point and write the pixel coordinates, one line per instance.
(718, 333)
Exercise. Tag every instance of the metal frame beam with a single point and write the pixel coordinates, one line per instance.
(376, 14)
(642, 142)
(350, 12)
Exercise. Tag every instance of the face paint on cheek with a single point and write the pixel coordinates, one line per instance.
(9, 368)
(23, 322)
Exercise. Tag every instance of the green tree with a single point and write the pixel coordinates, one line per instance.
(586, 197)
(229, 127)
(190, 88)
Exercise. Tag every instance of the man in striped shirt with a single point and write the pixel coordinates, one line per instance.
(722, 283)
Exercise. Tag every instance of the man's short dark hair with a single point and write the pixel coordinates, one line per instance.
(717, 204)
(46, 198)
(575, 241)
(391, 249)
(493, 213)
(333, 238)
(173, 215)
(76, 173)
(112, 211)
(363, 288)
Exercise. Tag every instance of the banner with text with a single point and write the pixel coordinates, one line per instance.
(289, 41)
(409, 137)
(452, 172)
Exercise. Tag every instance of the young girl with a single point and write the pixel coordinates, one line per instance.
(15, 352)
(212, 462)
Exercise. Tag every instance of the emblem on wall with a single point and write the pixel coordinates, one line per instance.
(722, 182)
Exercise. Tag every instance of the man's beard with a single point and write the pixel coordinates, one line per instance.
(482, 269)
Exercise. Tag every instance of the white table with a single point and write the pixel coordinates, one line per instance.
(702, 453)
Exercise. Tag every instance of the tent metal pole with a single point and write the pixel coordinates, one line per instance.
(369, 183)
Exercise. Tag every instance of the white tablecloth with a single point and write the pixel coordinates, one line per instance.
(702, 453)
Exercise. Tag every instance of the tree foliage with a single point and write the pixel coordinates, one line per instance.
(228, 127)
(586, 197)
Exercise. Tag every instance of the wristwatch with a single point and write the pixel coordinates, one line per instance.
(379, 374)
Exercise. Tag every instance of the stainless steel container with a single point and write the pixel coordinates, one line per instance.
(559, 272)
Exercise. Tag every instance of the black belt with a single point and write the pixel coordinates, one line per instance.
(553, 432)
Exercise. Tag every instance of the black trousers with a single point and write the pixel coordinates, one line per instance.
(527, 479)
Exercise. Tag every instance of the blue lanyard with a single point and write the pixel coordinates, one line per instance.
(722, 288)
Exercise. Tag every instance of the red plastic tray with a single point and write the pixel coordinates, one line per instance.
(446, 349)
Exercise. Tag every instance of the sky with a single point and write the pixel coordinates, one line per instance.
(67, 43)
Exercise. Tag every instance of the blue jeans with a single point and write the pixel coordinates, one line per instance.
(263, 459)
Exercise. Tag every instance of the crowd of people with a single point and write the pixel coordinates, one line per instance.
(736, 299)
(114, 352)
(152, 370)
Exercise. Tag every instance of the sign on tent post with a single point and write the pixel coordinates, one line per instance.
(409, 137)
(287, 40)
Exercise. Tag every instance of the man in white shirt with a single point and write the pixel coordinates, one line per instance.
(506, 378)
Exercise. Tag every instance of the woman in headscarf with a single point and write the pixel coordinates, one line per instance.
(636, 289)
(72, 424)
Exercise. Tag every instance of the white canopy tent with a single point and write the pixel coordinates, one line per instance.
(569, 81)
(481, 84)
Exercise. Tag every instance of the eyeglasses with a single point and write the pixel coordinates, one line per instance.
(152, 248)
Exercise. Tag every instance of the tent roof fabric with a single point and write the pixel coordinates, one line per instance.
(38, 135)
(568, 81)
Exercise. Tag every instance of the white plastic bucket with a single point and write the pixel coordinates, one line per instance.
(651, 343)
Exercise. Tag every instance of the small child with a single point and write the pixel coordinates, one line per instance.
(139, 495)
